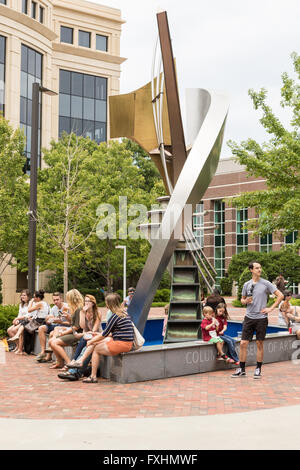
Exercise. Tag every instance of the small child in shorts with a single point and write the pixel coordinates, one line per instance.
(209, 332)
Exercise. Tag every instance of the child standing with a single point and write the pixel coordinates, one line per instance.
(209, 332)
(222, 317)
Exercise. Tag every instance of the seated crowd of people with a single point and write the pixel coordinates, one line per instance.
(76, 323)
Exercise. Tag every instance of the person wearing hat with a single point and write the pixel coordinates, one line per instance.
(128, 299)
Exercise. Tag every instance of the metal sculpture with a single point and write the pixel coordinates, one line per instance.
(186, 177)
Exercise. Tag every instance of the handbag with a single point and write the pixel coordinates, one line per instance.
(32, 325)
(138, 339)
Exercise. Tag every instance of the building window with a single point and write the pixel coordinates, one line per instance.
(291, 238)
(33, 10)
(31, 72)
(66, 34)
(84, 39)
(25, 6)
(265, 243)
(241, 232)
(3, 2)
(101, 42)
(219, 255)
(198, 224)
(41, 14)
(82, 105)
(2, 73)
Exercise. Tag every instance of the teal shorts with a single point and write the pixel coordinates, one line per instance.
(215, 340)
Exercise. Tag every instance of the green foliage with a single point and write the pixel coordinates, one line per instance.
(14, 196)
(277, 161)
(226, 286)
(285, 261)
(295, 302)
(162, 295)
(7, 315)
(68, 218)
(1, 298)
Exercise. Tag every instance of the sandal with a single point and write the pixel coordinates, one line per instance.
(64, 369)
(90, 380)
(40, 356)
(56, 366)
(74, 365)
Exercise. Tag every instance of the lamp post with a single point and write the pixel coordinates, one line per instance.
(123, 247)
(36, 90)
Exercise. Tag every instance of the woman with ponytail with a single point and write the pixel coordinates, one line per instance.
(115, 339)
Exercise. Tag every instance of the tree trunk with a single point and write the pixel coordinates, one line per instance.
(66, 260)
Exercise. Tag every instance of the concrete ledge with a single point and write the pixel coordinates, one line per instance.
(195, 357)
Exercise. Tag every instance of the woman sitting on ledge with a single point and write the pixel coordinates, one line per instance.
(69, 336)
(120, 329)
(20, 321)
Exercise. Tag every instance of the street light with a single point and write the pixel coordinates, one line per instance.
(123, 247)
(36, 90)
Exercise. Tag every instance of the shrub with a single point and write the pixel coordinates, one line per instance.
(226, 285)
(7, 314)
(162, 295)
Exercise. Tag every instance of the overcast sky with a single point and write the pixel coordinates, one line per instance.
(227, 46)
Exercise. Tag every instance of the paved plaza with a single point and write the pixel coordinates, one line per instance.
(164, 414)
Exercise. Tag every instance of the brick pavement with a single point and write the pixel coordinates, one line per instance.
(31, 390)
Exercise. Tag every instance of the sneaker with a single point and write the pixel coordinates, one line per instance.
(239, 373)
(220, 358)
(229, 360)
(257, 373)
(237, 363)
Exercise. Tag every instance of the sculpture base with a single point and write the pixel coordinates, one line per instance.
(194, 357)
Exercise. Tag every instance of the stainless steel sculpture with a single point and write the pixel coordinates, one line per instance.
(186, 176)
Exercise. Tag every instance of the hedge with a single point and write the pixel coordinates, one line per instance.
(7, 314)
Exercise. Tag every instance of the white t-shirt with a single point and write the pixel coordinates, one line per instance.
(56, 312)
(23, 311)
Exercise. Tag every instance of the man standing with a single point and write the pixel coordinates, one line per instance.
(255, 296)
(58, 317)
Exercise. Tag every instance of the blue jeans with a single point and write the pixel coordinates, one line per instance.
(80, 346)
(231, 347)
(79, 372)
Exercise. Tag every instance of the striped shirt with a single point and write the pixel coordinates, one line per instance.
(121, 328)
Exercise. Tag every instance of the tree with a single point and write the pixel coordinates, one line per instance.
(82, 177)
(67, 197)
(14, 197)
(277, 161)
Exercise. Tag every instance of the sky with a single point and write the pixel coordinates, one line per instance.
(226, 46)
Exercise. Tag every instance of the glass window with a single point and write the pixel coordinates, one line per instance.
(65, 105)
(101, 42)
(77, 101)
(100, 91)
(25, 6)
(76, 107)
(88, 109)
(265, 243)
(66, 34)
(84, 38)
(241, 231)
(76, 83)
(219, 242)
(291, 237)
(198, 224)
(3, 2)
(100, 111)
(89, 86)
(41, 17)
(65, 82)
(31, 71)
(64, 125)
(33, 10)
(88, 129)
